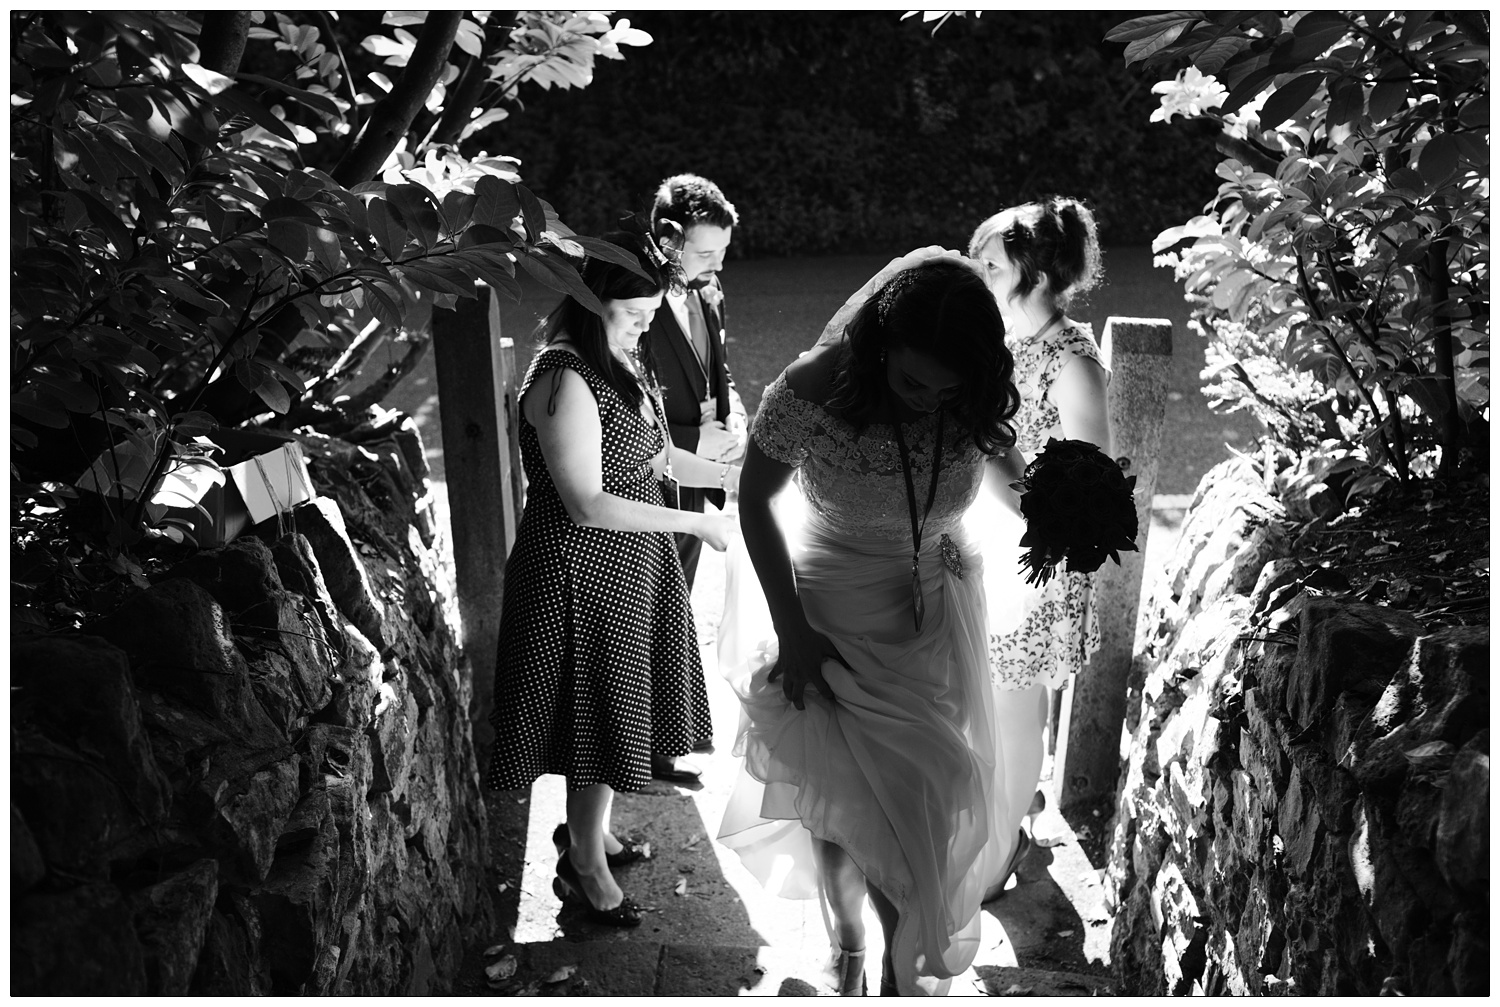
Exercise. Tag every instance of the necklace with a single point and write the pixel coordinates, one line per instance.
(918, 605)
(1057, 316)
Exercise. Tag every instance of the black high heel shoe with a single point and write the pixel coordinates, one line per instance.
(569, 888)
(629, 852)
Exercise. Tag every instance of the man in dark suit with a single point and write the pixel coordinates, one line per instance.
(686, 341)
(686, 345)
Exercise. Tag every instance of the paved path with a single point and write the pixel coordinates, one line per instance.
(711, 931)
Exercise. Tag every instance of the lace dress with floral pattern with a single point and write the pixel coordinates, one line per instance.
(901, 770)
(1048, 632)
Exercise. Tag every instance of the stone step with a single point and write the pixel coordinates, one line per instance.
(630, 968)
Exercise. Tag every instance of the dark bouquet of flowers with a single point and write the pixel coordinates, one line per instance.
(1079, 506)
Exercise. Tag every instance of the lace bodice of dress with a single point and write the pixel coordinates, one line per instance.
(1038, 363)
(852, 480)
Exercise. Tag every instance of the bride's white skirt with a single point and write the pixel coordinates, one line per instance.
(901, 771)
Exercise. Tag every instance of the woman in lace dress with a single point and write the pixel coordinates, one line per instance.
(1036, 257)
(868, 735)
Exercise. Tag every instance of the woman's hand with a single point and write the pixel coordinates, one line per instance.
(803, 652)
(925, 256)
(717, 530)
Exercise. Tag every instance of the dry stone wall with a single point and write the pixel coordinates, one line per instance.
(257, 776)
(1304, 803)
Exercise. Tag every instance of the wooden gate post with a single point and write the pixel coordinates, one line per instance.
(1138, 353)
(477, 407)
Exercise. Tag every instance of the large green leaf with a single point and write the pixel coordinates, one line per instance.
(318, 102)
(417, 210)
(285, 207)
(1289, 98)
(1439, 158)
(533, 216)
(1387, 99)
(560, 276)
(1149, 26)
(598, 248)
(386, 230)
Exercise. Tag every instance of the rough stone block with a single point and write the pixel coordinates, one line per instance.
(78, 943)
(300, 573)
(1299, 826)
(78, 691)
(1332, 789)
(171, 919)
(1345, 647)
(1469, 954)
(26, 865)
(241, 576)
(228, 964)
(180, 645)
(81, 819)
(343, 571)
(1463, 824)
(1440, 694)
(1395, 906)
(299, 904)
(1271, 583)
(251, 802)
(393, 739)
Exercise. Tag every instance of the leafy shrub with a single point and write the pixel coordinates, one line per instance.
(1342, 269)
(195, 244)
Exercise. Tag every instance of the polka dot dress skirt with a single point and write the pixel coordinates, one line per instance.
(598, 663)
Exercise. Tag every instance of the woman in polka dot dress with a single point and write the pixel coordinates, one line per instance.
(1036, 257)
(598, 661)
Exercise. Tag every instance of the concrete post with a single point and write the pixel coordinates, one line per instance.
(477, 407)
(1138, 353)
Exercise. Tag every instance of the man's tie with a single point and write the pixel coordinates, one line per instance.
(698, 333)
(698, 336)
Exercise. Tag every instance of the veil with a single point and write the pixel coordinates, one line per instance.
(745, 625)
(834, 330)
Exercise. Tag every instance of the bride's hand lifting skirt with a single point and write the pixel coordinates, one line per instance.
(900, 771)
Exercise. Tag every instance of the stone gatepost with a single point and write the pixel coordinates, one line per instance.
(1138, 353)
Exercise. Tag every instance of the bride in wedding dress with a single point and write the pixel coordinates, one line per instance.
(870, 752)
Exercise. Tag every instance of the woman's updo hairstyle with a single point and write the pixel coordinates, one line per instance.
(945, 311)
(1056, 236)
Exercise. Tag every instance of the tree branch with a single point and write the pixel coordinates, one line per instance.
(393, 114)
(462, 97)
(221, 42)
(1247, 153)
(326, 23)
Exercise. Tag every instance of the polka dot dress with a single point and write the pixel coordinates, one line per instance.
(598, 660)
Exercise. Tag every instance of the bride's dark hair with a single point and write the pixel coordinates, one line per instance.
(945, 311)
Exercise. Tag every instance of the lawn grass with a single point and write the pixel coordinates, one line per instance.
(777, 307)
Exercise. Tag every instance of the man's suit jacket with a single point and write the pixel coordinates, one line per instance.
(683, 385)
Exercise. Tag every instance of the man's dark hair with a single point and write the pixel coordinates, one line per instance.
(692, 199)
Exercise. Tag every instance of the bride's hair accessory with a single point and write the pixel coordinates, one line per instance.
(1079, 506)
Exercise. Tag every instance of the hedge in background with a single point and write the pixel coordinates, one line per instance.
(845, 132)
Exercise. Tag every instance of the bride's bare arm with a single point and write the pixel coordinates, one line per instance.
(999, 472)
(802, 649)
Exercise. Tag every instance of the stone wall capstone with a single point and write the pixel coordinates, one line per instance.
(258, 776)
(1303, 807)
